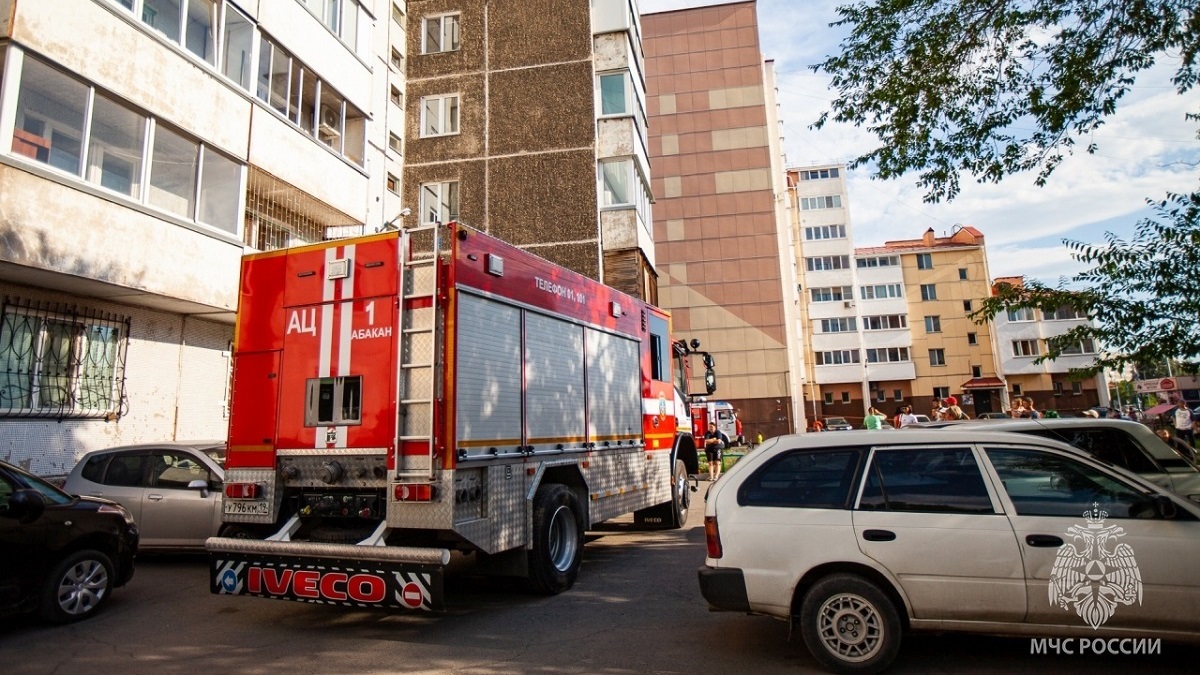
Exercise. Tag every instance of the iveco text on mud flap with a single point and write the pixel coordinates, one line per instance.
(403, 395)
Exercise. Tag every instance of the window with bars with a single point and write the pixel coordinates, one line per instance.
(60, 360)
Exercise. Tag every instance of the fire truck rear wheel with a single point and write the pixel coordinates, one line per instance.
(557, 540)
(681, 495)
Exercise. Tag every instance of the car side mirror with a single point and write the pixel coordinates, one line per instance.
(26, 506)
(201, 485)
(1165, 508)
(710, 381)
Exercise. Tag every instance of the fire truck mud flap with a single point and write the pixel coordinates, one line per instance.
(332, 574)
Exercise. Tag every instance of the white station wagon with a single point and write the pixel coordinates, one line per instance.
(858, 537)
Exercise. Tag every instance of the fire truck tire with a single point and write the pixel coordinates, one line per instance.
(681, 496)
(557, 540)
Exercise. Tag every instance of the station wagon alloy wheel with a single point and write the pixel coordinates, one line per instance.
(850, 627)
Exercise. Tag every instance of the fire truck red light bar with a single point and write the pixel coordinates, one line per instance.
(241, 490)
(414, 492)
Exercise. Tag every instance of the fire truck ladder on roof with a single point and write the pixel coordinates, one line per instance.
(419, 350)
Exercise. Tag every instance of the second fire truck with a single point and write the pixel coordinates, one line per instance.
(401, 396)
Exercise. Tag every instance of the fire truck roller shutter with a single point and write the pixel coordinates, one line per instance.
(554, 384)
(488, 388)
(614, 379)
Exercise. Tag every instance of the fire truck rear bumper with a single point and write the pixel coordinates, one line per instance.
(334, 574)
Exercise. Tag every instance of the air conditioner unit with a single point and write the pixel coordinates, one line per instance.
(331, 120)
(848, 304)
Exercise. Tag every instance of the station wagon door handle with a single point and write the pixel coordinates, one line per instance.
(154, 497)
(1043, 540)
(879, 535)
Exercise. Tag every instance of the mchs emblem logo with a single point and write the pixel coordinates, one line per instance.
(1094, 572)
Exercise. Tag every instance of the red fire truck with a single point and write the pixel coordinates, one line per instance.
(401, 396)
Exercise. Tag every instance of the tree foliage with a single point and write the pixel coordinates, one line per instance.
(1143, 294)
(996, 87)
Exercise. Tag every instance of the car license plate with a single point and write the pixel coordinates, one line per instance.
(240, 507)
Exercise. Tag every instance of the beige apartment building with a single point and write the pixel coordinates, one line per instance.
(721, 222)
(888, 326)
(1022, 335)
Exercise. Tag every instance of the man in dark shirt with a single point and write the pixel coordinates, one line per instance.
(714, 443)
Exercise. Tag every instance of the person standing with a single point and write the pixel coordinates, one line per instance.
(714, 443)
(1183, 423)
(907, 417)
(1031, 411)
(874, 419)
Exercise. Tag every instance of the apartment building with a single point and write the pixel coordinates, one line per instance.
(1022, 336)
(527, 119)
(721, 216)
(144, 146)
(888, 326)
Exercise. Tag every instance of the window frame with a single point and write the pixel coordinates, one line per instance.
(454, 114)
(924, 261)
(449, 212)
(937, 357)
(933, 323)
(929, 292)
(455, 38)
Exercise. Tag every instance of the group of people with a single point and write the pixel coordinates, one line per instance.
(1022, 408)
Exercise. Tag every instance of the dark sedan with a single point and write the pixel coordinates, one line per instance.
(63, 555)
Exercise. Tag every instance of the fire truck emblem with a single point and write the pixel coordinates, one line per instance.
(662, 410)
(1093, 572)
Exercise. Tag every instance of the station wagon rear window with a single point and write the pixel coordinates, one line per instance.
(814, 480)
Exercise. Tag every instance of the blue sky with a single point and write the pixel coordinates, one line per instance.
(1145, 150)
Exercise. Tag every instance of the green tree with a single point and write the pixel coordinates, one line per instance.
(990, 88)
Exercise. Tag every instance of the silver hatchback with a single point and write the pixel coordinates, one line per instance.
(173, 490)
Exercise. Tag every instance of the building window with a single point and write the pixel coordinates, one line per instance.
(885, 322)
(439, 115)
(818, 174)
(881, 291)
(1063, 313)
(842, 325)
(398, 15)
(887, 355)
(828, 262)
(933, 324)
(61, 361)
(879, 261)
(439, 202)
(395, 143)
(880, 396)
(937, 357)
(941, 392)
(393, 184)
(929, 291)
(309, 103)
(396, 59)
(616, 180)
(968, 306)
(1086, 346)
(396, 97)
(898, 394)
(1076, 388)
(962, 273)
(845, 397)
(440, 34)
(1016, 390)
(831, 294)
(972, 338)
(825, 232)
(829, 398)
(837, 357)
(1025, 347)
(976, 371)
(55, 112)
(924, 261)
(614, 93)
(1021, 314)
(237, 48)
(826, 202)
(1058, 388)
